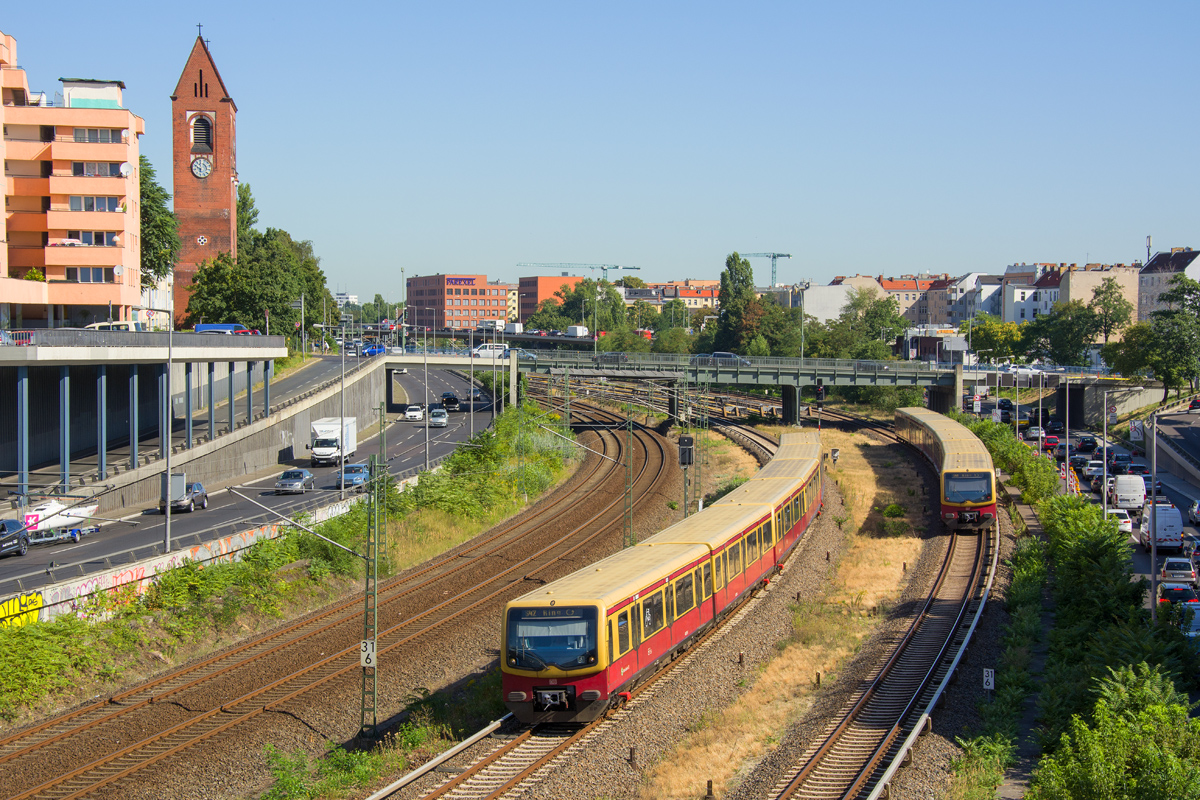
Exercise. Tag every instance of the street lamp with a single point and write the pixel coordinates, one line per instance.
(802, 287)
(1104, 441)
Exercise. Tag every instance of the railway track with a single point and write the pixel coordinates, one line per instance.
(76, 753)
(857, 744)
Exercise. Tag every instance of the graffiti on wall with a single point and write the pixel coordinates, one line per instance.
(21, 610)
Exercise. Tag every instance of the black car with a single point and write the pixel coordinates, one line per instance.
(450, 401)
(1004, 404)
(1137, 469)
(1055, 426)
(13, 538)
(194, 495)
(1088, 444)
(610, 358)
(1079, 462)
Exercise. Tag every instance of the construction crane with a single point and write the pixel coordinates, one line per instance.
(771, 256)
(604, 268)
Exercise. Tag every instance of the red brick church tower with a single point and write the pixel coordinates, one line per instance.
(204, 148)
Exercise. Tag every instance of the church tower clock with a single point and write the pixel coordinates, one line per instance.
(204, 148)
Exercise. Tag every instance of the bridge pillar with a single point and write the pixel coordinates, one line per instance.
(249, 392)
(959, 389)
(212, 400)
(164, 412)
(187, 405)
(940, 399)
(512, 380)
(133, 416)
(791, 405)
(229, 386)
(64, 426)
(268, 368)
(23, 433)
(102, 421)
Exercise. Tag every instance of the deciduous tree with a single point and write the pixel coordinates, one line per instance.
(1112, 311)
(1063, 336)
(160, 227)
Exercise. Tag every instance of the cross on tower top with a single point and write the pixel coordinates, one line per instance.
(199, 29)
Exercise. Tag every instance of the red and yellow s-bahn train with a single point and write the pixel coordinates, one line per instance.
(576, 646)
(966, 478)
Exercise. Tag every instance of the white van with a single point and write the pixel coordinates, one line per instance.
(117, 325)
(1170, 527)
(1128, 492)
(490, 350)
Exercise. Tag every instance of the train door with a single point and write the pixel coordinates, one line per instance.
(622, 650)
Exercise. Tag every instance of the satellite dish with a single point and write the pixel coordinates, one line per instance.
(125, 169)
(118, 270)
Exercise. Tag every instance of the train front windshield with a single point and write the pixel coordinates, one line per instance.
(968, 487)
(539, 638)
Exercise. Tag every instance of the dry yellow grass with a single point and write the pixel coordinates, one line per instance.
(825, 632)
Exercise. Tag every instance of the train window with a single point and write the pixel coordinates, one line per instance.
(611, 653)
(652, 614)
(718, 576)
(735, 559)
(769, 532)
(685, 595)
(708, 581)
(623, 631)
(670, 615)
(751, 545)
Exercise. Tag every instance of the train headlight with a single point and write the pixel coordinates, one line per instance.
(517, 697)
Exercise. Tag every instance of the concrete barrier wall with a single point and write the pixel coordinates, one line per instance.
(277, 440)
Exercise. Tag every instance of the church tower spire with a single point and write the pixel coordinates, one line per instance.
(204, 156)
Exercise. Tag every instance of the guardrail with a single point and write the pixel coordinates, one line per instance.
(68, 337)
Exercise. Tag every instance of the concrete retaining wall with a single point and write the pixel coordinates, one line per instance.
(277, 440)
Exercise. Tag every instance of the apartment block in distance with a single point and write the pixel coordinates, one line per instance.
(71, 201)
(454, 302)
(533, 291)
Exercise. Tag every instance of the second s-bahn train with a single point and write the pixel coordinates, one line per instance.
(576, 646)
(966, 478)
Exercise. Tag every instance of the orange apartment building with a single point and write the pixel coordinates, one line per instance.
(451, 302)
(533, 291)
(71, 201)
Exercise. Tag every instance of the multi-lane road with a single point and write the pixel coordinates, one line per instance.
(406, 450)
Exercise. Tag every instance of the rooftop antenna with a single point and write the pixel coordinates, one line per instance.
(1148, 239)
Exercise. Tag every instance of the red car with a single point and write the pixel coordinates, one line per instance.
(1049, 442)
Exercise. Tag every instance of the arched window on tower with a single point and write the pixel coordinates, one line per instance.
(202, 138)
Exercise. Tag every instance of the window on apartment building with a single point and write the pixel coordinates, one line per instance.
(89, 274)
(103, 135)
(96, 238)
(89, 169)
(1022, 313)
(202, 138)
(84, 203)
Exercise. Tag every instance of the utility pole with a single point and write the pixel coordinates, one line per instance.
(368, 647)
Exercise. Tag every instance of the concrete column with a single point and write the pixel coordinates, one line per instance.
(102, 421)
(791, 404)
(958, 386)
(249, 392)
(673, 403)
(268, 368)
(133, 416)
(940, 399)
(229, 384)
(23, 433)
(164, 412)
(512, 379)
(212, 400)
(187, 405)
(64, 426)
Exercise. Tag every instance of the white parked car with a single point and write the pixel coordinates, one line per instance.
(1124, 521)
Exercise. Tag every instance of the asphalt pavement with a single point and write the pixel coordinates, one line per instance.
(406, 450)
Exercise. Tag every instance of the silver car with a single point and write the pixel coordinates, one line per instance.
(295, 481)
(438, 418)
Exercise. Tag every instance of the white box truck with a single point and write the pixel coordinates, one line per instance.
(579, 331)
(334, 440)
(514, 327)
(1170, 527)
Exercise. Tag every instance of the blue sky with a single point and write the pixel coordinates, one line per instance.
(873, 137)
